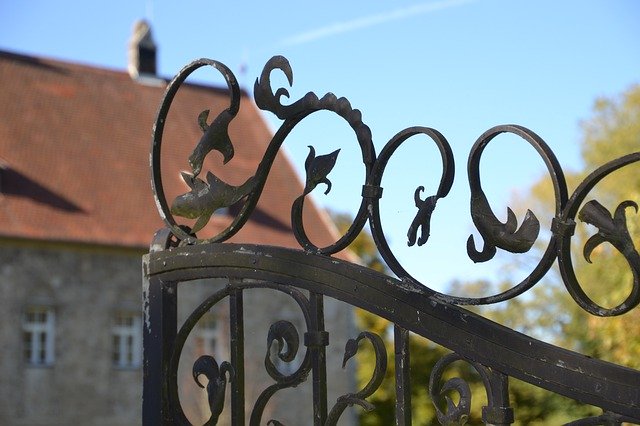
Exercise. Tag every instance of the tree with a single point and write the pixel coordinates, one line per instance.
(547, 311)
(612, 131)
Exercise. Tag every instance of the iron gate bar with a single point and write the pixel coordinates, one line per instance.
(236, 323)
(317, 339)
(609, 386)
(403, 378)
(178, 255)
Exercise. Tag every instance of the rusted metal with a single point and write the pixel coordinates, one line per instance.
(495, 352)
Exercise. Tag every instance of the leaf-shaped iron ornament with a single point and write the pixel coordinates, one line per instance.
(611, 229)
(207, 366)
(318, 168)
(455, 414)
(380, 368)
(426, 207)
(507, 235)
(215, 137)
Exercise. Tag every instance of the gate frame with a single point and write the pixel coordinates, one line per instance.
(311, 273)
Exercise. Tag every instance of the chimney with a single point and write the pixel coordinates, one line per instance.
(142, 51)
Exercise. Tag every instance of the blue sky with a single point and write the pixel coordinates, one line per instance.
(460, 66)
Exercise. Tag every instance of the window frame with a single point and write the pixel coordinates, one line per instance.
(126, 340)
(205, 335)
(39, 335)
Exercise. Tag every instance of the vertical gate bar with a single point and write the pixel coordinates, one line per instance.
(403, 378)
(318, 361)
(236, 319)
(498, 412)
(159, 334)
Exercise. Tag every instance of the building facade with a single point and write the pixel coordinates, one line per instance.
(77, 214)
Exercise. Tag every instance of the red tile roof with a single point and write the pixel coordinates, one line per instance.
(74, 157)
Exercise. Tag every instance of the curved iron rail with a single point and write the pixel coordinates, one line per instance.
(210, 194)
(494, 351)
(592, 381)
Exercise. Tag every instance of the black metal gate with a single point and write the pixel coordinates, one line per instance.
(312, 273)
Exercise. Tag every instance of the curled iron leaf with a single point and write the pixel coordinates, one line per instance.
(318, 168)
(612, 229)
(507, 235)
(380, 368)
(207, 366)
(495, 384)
(497, 234)
(286, 335)
(454, 414)
(265, 98)
(425, 207)
(215, 137)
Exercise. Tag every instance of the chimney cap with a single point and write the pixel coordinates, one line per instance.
(141, 34)
(142, 51)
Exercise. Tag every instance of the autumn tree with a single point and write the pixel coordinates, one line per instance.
(546, 311)
(612, 131)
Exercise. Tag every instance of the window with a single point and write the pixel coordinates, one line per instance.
(38, 327)
(207, 337)
(127, 340)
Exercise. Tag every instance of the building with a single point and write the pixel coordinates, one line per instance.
(77, 214)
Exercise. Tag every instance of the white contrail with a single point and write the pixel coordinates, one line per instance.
(368, 21)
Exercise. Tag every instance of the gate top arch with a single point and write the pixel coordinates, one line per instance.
(311, 272)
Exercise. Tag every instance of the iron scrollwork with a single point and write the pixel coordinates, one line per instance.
(205, 365)
(285, 335)
(380, 368)
(216, 375)
(210, 193)
(496, 385)
(611, 228)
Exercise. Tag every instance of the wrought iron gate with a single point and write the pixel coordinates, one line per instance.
(312, 273)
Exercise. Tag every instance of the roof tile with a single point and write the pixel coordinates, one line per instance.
(75, 142)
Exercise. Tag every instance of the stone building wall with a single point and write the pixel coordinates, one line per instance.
(86, 286)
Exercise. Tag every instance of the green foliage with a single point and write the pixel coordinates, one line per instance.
(613, 131)
(547, 311)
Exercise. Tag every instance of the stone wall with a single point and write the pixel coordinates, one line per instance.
(86, 286)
